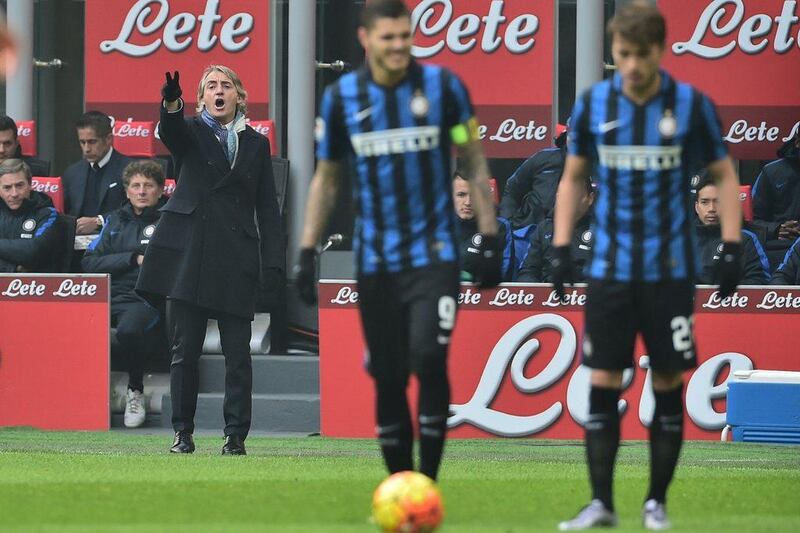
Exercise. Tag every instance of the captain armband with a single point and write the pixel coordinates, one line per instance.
(465, 133)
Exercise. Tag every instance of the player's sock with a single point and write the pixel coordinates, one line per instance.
(602, 442)
(434, 402)
(666, 439)
(395, 434)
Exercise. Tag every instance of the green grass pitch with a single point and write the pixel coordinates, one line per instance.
(117, 481)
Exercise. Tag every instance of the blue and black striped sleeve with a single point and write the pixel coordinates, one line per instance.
(579, 137)
(458, 105)
(707, 130)
(330, 133)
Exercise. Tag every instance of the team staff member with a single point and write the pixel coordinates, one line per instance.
(11, 149)
(28, 232)
(645, 134)
(119, 251)
(537, 266)
(399, 120)
(220, 235)
(788, 272)
(755, 265)
(93, 186)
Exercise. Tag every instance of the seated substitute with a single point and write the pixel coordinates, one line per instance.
(29, 236)
(119, 251)
(470, 238)
(530, 193)
(11, 149)
(755, 266)
(537, 266)
(788, 272)
(776, 195)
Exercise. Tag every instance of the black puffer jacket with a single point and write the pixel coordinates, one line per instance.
(530, 193)
(29, 235)
(788, 272)
(125, 235)
(537, 269)
(755, 266)
(776, 193)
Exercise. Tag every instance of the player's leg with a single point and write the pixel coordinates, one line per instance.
(385, 327)
(610, 333)
(432, 296)
(669, 337)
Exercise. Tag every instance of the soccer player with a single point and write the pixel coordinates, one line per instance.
(643, 132)
(396, 121)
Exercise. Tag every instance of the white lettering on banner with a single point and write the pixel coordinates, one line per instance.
(733, 301)
(128, 130)
(751, 32)
(346, 295)
(773, 301)
(701, 390)
(44, 187)
(24, 131)
(17, 287)
(741, 131)
(572, 297)
(232, 37)
(461, 32)
(793, 133)
(516, 348)
(469, 298)
(505, 297)
(508, 130)
(69, 288)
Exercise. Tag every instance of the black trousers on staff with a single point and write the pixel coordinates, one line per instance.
(186, 325)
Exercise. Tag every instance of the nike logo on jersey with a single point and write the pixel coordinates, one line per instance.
(364, 113)
(605, 127)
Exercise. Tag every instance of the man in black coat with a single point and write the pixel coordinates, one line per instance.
(29, 236)
(220, 236)
(119, 251)
(10, 148)
(93, 186)
(537, 267)
(776, 195)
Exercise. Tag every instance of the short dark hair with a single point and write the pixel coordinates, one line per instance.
(147, 168)
(7, 123)
(377, 9)
(640, 23)
(704, 181)
(459, 175)
(97, 120)
(12, 166)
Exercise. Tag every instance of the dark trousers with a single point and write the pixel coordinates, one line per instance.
(135, 321)
(186, 326)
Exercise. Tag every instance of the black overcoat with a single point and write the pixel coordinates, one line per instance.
(221, 229)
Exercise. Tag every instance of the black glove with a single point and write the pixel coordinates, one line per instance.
(562, 269)
(306, 272)
(171, 90)
(487, 272)
(728, 268)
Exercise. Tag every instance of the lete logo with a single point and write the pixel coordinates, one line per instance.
(176, 31)
(516, 348)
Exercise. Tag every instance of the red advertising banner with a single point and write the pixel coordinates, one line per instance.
(26, 133)
(130, 44)
(515, 363)
(504, 52)
(746, 56)
(54, 341)
(136, 138)
(51, 187)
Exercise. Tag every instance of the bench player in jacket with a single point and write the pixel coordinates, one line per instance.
(28, 232)
(645, 134)
(119, 251)
(396, 121)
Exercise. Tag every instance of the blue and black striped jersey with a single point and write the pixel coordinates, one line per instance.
(643, 158)
(399, 142)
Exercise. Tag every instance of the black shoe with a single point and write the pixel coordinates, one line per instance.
(183, 443)
(234, 445)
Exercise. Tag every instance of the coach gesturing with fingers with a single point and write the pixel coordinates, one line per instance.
(219, 238)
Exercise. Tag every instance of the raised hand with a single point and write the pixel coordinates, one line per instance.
(171, 90)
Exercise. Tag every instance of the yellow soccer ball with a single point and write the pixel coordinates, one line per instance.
(407, 502)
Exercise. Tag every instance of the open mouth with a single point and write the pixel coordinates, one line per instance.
(219, 103)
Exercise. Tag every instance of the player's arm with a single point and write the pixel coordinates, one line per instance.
(476, 170)
(321, 197)
(570, 191)
(730, 209)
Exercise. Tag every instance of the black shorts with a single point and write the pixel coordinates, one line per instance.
(408, 318)
(663, 312)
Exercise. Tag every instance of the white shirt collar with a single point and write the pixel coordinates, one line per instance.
(106, 158)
